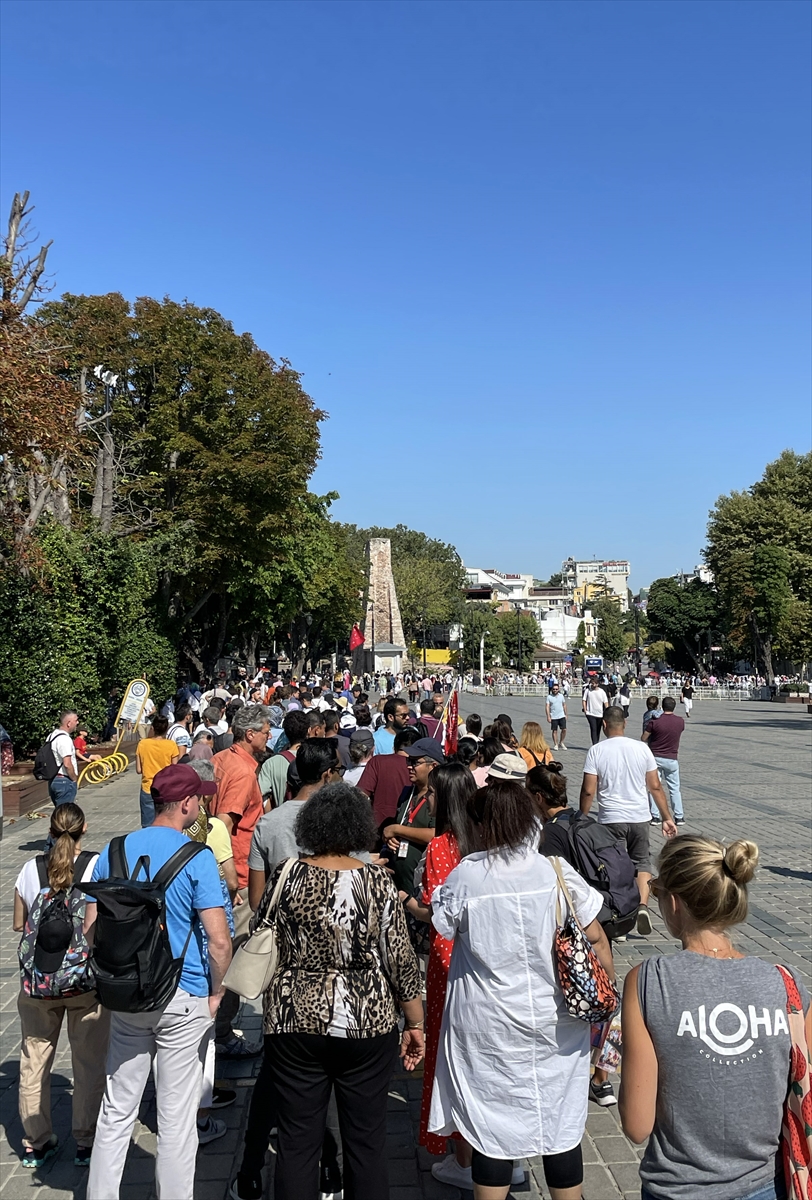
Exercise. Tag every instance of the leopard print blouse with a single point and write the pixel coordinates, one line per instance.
(345, 959)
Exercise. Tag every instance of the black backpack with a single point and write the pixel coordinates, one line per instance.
(603, 861)
(132, 958)
(46, 764)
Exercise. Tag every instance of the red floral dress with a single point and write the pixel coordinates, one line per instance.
(442, 857)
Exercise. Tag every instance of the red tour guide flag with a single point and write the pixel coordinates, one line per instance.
(356, 638)
(452, 723)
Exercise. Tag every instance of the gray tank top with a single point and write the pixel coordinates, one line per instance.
(723, 1050)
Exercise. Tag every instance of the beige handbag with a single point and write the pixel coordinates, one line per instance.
(252, 967)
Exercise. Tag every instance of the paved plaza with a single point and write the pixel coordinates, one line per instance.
(746, 773)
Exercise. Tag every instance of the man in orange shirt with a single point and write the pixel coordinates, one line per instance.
(238, 804)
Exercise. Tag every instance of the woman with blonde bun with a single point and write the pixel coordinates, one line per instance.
(706, 1044)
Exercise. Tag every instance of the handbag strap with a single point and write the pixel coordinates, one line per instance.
(280, 883)
(562, 887)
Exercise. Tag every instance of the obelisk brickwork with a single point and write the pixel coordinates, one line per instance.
(382, 598)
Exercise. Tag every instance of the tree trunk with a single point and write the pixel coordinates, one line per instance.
(250, 646)
(763, 645)
(689, 650)
(98, 488)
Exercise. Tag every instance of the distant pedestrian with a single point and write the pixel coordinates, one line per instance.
(687, 695)
(556, 712)
(594, 705)
(63, 786)
(663, 738)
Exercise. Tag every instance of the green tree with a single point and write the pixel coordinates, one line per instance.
(760, 551)
(660, 652)
(510, 625)
(580, 637)
(610, 640)
(683, 616)
(480, 620)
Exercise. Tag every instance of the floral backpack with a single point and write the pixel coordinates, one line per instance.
(53, 950)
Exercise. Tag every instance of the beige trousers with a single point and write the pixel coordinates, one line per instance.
(88, 1032)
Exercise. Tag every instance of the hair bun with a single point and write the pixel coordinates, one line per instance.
(741, 860)
(555, 767)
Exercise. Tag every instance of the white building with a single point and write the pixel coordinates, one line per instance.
(489, 584)
(590, 574)
(560, 629)
(703, 573)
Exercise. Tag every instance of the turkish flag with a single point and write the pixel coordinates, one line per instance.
(356, 638)
(452, 723)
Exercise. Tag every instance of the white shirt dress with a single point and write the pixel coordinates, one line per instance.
(512, 1066)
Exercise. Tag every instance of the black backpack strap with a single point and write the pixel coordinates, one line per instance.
(80, 865)
(42, 871)
(174, 865)
(117, 860)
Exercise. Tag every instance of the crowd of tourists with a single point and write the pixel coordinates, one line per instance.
(412, 889)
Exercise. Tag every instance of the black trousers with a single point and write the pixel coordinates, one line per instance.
(303, 1068)
(262, 1118)
(595, 726)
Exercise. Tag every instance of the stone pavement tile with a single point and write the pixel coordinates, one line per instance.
(615, 1149)
(403, 1172)
(627, 1177)
(599, 1184)
(432, 1189)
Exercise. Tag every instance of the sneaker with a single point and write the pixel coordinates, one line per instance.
(82, 1156)
(236, 1046)
(562, 747)
(210, 1130)
(33, 1159)
(656, 821)
(222, 1097)
(449, 1171)
(602, 1094)
(246, 1187)
(644, 925)
(679, 820)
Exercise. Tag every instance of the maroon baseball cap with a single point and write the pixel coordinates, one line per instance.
(178, 781)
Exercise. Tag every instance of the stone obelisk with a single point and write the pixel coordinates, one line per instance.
(383, 629)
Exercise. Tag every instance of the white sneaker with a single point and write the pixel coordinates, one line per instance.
(562, 747)
(449, 1171)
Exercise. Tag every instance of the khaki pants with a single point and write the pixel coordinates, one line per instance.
(88, 1031)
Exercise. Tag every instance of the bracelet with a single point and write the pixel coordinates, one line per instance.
(413, 1025)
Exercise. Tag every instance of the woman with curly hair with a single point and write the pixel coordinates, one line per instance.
(346, 969)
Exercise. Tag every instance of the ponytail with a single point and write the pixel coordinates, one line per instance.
(67, 827)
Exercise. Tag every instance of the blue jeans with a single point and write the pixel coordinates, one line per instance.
(62, 790)
(669, 777)
(147, 809)
(772, 1191)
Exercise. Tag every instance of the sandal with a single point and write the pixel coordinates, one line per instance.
(36, 1158)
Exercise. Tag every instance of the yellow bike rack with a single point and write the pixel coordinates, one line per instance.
(105, 768)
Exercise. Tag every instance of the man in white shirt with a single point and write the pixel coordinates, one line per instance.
(179, 731)
(594, 704)
(62, 788)
(622, 774)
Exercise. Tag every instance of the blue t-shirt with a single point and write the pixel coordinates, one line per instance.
(196, 887)
(384, 741)
(556, 704)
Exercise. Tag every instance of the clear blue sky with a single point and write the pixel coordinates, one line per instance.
(546, 265)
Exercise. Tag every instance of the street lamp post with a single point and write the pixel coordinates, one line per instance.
(519, 631)
(482, 656)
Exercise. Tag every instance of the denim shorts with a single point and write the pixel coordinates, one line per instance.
(774, 1190)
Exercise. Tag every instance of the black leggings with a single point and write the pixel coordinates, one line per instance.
(560, 1170)
(595, 726)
